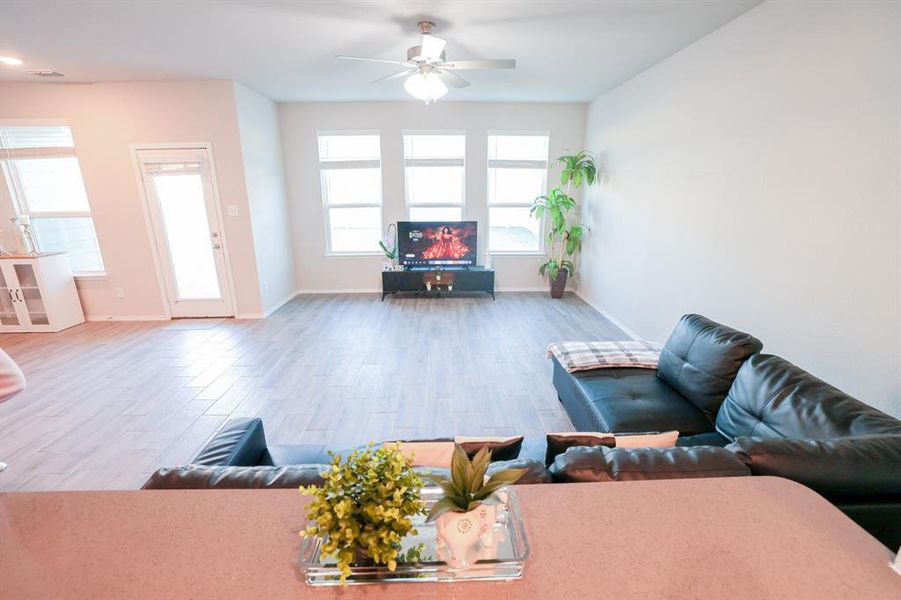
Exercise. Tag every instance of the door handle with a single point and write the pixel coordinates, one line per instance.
(11, 296)
(217, 246)
(19, 295)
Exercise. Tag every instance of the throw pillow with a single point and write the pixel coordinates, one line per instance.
(502, 448)
(428, 453)
(557, 443)
(666, 439)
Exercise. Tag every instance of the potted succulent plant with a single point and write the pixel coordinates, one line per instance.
(364, 507)
(563, 239)
(466, 514)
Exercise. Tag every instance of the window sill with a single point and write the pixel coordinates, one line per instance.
(91, 276)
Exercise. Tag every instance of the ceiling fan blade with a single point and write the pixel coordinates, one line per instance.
(394, 76)
(375, 60)
(431, 47)
(471, 64)
(452, 79)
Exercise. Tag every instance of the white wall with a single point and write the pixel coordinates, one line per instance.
(106, 118)
(264, 177)
(754, 177)
(300, 122)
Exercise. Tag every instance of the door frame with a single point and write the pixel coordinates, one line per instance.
(219, 215)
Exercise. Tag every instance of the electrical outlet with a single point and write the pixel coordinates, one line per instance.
(233, 210)
(120, 293)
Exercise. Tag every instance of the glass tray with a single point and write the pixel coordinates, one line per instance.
(504, 561)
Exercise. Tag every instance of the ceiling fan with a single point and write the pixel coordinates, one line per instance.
(427, 72)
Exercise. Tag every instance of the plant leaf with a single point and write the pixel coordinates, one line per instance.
(445, 505)
(461, 469)
(479, 466)
(502, 478)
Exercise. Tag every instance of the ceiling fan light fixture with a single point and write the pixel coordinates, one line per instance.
(432, 48)
(425, 86)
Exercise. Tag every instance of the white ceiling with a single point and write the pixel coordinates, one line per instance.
(565, 50)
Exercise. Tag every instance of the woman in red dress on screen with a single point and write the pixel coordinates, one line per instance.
(446, 245)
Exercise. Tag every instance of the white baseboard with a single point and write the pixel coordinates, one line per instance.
(540, 288)
(127, 318)
(280, 303)
(340, 291)
(625, 328)
(378, 291)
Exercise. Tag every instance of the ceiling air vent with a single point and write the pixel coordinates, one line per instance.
(45, 73)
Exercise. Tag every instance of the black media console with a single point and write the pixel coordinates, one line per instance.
(438, 282)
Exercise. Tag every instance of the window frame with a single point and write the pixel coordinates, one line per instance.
(19, 198)
(434, 162)
(349, 164)
(500, 163)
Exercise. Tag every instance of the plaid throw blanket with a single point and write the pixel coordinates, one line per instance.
(584, 356)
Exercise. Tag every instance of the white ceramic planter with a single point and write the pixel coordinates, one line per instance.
(464, 538)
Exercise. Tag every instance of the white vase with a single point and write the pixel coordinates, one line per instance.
(464, 538)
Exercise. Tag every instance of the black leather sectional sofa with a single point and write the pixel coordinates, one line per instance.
(715, 387)
(739, 413)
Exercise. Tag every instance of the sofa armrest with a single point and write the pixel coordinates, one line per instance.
(600, 463)
(240, 442)
(199, 477)
(837, 468)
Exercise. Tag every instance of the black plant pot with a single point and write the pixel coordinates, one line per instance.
(558, 284)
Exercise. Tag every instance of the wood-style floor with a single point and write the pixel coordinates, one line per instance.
(109, 403)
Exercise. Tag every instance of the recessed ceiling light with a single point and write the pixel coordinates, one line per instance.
(10, 60)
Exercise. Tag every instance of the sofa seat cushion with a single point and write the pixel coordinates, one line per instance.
(600, 463)
(773, 398)
(867, 466)
(626, 401)
(700, 360)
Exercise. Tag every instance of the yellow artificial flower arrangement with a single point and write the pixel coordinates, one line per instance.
(364, 507)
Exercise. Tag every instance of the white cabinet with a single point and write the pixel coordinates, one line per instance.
(37, 293)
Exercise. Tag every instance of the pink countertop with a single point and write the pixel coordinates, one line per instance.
(743, 537)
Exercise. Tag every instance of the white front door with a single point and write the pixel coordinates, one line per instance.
(187, 230)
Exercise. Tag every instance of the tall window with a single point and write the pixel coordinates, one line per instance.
(350, 172)
(434, 168)
(44, 181)
(517, 174)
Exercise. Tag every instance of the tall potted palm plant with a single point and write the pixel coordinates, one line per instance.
(564, 239)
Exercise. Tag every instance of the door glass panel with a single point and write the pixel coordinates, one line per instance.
(187, 230)
(30, 294)
(7, 308)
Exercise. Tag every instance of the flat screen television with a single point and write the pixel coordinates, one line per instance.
(436, 243)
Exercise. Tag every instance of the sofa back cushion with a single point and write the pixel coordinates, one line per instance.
(772, 398)
(600, 463)
(200, 477)
(700, 360)
(840, 468)
(240, 442)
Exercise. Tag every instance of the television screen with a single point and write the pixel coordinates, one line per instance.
(428, 243)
